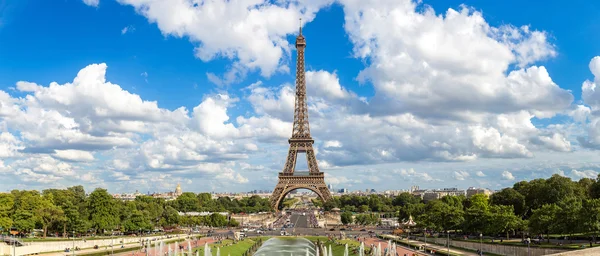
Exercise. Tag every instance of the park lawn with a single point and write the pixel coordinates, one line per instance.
(338, 250)
(228, 248)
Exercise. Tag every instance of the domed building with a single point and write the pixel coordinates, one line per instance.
(178, 190)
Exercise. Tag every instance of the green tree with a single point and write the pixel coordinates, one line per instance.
(503, 220)
(569, 215)
(408, 210)
(405, 198)
(233, 223)
(363, 208)
(101, 206)
(346, 218)
(440, 216)
(590, 216)
(48, 213)
(594, 188)
(187, 202)
(6, 205)
(170, 216)
(510, 196)
(216, 220)
(477, 215)
(137, 221)
(545, 220)
(24, 220)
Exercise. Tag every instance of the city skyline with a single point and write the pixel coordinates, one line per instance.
(448, 95)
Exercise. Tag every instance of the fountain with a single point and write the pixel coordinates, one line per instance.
(189, 248)
(198, 253)
(218, 251)
(378, 249)
(161, 251)
(286, 246)
(207, 250)
(330, 252)
(170, 253)
(346, 250)
(361, 249)
(318, 251)
(325, 251)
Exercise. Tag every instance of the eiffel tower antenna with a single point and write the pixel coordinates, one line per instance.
(300, 142)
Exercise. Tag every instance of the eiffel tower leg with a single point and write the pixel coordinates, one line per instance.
(311, 159)
(277, 195)
(290, 162)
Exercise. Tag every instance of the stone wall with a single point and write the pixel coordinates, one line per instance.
(584, 252)
(496, 248)
(39, 247)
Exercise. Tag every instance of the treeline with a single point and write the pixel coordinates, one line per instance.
(557, 205)
(360, 219)
(70, 210)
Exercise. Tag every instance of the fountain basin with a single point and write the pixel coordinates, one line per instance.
(287, 246)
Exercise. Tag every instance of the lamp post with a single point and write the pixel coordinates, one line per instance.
(448, 241)
(528, 242)
(14, 240)
(425, 239)
(73, 242)
(480, 243)
(112, 245)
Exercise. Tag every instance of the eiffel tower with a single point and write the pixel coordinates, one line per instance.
(300, 142)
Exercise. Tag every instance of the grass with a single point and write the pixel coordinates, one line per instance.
(228, 248)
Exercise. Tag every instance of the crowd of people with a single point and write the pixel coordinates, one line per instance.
(281, 220)
(312, 220)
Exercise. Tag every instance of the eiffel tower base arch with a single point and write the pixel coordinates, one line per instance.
(288, 183)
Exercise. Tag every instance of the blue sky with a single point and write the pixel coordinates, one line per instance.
(399, 91)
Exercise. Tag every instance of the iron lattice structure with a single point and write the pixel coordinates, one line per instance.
(300, 142)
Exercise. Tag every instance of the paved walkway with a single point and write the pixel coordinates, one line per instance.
(436, 247)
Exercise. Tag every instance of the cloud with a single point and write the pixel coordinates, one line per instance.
(73, 122)
(589, 114)
(128, 29)
(73, 155)
(591, 174)
(252, 34)
(506, 175)
(460, 175)
(425, 63)
(93, 3)
(339, 180)
(332, 144)
(420, 66)
(119, 176)
(411, 174)
(145, 76)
